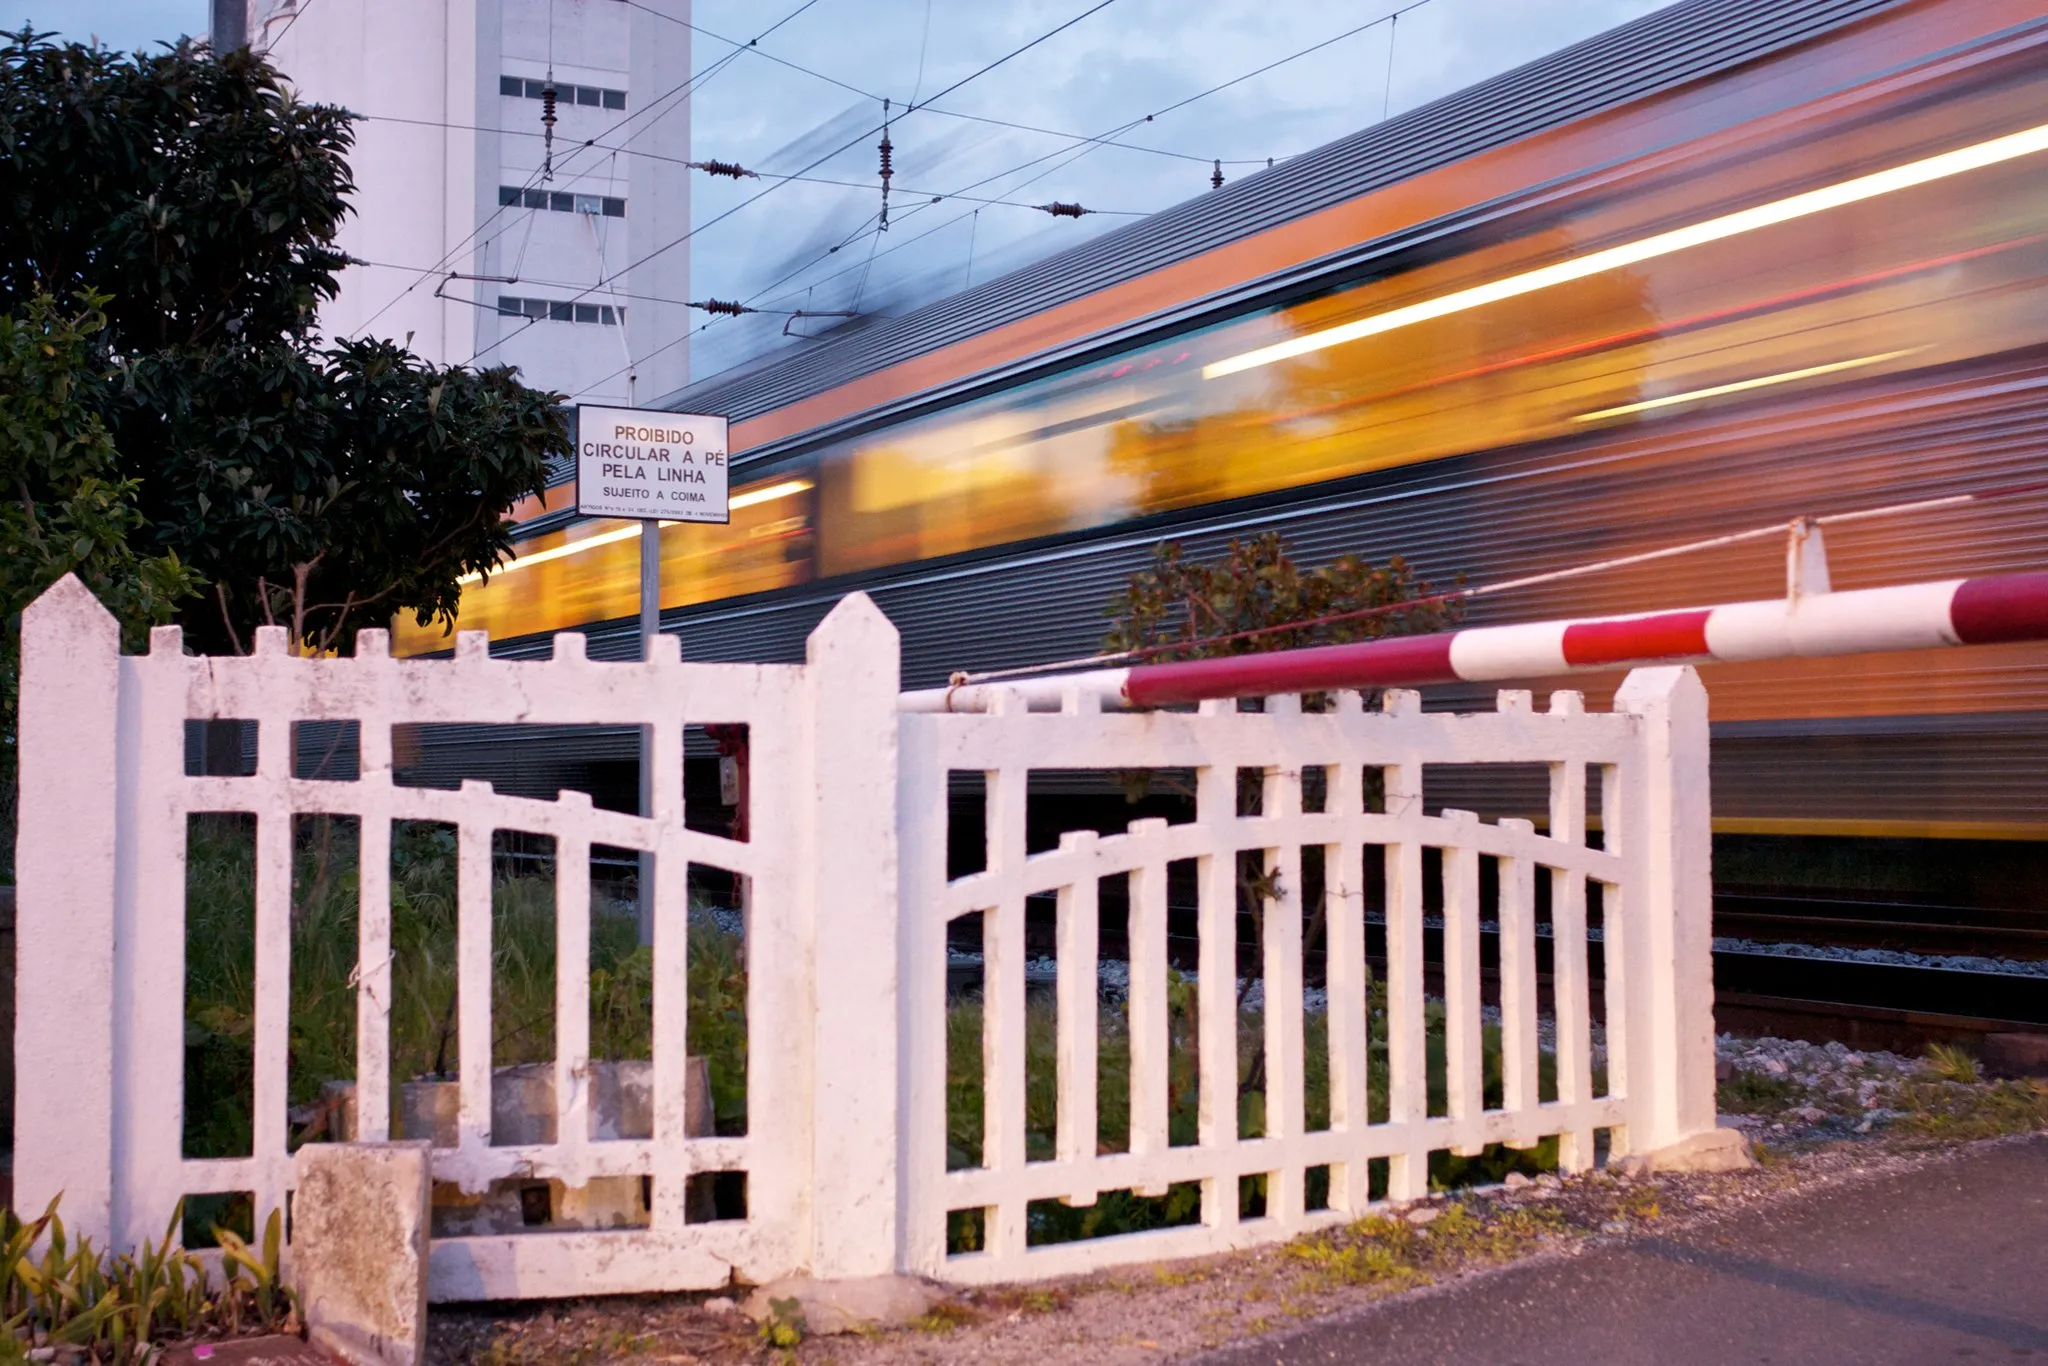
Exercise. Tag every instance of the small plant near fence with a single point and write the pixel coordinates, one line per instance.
(64, 1298)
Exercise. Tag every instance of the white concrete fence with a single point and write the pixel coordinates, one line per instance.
(848, 906)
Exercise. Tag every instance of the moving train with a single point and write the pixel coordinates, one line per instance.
(1733, 263)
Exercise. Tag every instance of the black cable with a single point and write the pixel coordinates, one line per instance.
(813, 165)
(643, 109)
(1105, 139)
(926, 106)
(301, 9)
(1092, 143)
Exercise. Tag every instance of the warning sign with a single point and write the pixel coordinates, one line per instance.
(632, 462)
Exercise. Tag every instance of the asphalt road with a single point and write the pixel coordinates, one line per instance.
(1946, 1264)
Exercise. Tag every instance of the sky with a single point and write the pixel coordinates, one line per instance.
(1105, 72)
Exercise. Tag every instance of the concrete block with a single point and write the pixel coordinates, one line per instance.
(847, 1306)
(523, 1103)
(523, 1112)
(359, 1250)
(1716, 1150)
(2016, 1055)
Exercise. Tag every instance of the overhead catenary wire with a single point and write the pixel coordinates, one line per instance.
(298, 12)
(927, 106)
(1078, 147)
(677, 241)
(1088, 144)
(722, 169)
(650, 110)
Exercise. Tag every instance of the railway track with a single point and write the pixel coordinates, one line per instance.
(1908, 926)
(1867, 1004)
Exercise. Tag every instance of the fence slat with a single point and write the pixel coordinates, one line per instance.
(1518, 1040)
(1614, 933)
(273, 968)
(1570, 993)
(1407, 1041)
(1079, 927)
(923, 808)
(1345, 979)
(573, 1074)
(1464, 1029)
(373, 930)
(1286, 1099)
(1004, 1004)
(473, 979)
(1151, 1043)
(1217, 1121)
(673, 1157)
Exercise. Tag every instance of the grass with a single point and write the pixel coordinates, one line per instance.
(1758, 1093)
(1948, 1100)
(1392, 1254)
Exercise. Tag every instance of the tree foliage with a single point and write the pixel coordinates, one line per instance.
(1254, 597)
(67, 508)
(318, 487)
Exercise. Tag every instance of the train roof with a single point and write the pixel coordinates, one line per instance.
(1681, 43)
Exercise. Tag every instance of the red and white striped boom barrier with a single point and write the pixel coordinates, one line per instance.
(1803, 624)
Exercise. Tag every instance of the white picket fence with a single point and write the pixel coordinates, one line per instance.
(848, 911)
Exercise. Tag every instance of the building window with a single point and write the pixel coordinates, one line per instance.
(559, 201)
(551, 310)
(591, 96)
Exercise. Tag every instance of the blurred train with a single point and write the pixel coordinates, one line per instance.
(1737, 261)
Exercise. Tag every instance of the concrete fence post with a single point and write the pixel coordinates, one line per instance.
(67, 845)
(1666, 841)
(851, 871)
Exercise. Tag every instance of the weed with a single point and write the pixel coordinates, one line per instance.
(1641, 1203)
(253, 1276)
(1758, 1093)
(947, 1315)
(113, 1308)
(1946, 1062)
(1946, 1110)
(784, 1327)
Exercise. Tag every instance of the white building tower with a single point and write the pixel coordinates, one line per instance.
(485, 239)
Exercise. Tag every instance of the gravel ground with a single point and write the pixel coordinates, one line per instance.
(1963, 962)
(1819, 1114)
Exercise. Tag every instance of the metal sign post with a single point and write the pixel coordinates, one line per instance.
(659, 468)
